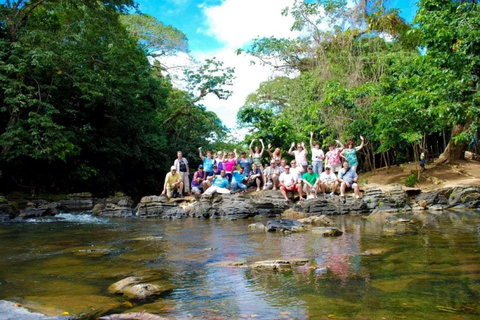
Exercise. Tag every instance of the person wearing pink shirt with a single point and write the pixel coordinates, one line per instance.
(332, 158)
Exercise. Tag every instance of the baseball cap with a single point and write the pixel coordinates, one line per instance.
(173, 168)
(309, 166)
(200, 166)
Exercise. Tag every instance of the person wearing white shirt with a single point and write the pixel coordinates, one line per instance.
(328, 182)
(317, 155)
(289, 182)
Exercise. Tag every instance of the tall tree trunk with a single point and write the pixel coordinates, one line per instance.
(454, 151)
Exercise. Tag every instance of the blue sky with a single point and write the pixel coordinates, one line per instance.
(216, 28)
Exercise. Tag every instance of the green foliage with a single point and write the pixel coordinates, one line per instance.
(81, 108)
(411, 180)
(351, 81)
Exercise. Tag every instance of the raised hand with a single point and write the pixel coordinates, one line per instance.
(293, 144)
(269, 145)
(199, 148)
(361, 137)
(261, 140)
(311, 133)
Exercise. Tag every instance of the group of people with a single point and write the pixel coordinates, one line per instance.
(231, 172)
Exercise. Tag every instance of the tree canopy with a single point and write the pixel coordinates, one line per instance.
(362, 70)
(81, 106)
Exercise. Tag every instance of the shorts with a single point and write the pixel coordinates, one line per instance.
(336, 167)
(351, 186)
(292, 188)
(253, 183)
(171, 191)
(329, 186)
(311, 188)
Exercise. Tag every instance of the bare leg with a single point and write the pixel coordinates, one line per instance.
(284, 193)
(275, 182)
(342, 189)
(300, 191)
(335, 186)
(259, 183)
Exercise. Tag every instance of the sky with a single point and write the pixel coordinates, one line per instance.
(217, 28)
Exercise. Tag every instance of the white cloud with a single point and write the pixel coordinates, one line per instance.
(236, 22)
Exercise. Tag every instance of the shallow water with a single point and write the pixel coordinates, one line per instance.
(427, 270)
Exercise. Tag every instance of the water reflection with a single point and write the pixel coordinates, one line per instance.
(418, 271)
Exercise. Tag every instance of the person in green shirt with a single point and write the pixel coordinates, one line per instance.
(310, 182)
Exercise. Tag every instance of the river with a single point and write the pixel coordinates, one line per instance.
(64, 266)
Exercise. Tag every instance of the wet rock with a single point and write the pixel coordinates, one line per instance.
(33, 212)
(466, 197)
(133, 316)
(91, 252)
(236, 264)
(159, 207)
(147, 238)
(284, 225)
(97, 209)
(144, 291)
(119, 286)
(327, 231)
(76, 202)
(280, 265)
(374, 252)
(257, 226)
(292, 214)
(435, 197)
(322, 220)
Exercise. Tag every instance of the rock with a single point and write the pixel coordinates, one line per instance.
(147, 238)
(465, 197)
(144, 291)
(435, 197)
(119, 286)
(91, 251)
(97, 209)
(280, 265)
(32, 212)
(318, 220)
(76, 202)
(257, 226)
(327, 231)
(236, 264)
(423, 204)
(374, 252)
(159, 207)
(292, 214)
(133, 316)
(284, 225)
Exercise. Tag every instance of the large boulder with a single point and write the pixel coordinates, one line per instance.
(133, 316)
(159, 207)
(322, 220)
(285, 225)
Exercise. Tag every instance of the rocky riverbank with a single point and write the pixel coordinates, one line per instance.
(246, 205)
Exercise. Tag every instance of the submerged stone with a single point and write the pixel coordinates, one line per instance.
(257, 226)
(133, 316)
(119, 286)
(327, 231)
(144, 291)
(280, 265)
(322, 220)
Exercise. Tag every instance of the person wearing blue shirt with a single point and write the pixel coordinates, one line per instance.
(239, 177)
(219, 184)
(255, 177)
(348, 179)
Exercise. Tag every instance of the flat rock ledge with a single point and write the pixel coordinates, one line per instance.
(240, 206)
(271, 204)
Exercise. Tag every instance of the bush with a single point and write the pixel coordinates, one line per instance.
(411, 180)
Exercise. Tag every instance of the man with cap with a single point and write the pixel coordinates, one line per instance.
(173, 182)
(270, 176)
(328, 181)
(310, 181)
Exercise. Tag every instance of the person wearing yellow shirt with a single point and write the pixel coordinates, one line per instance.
(173, 181)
